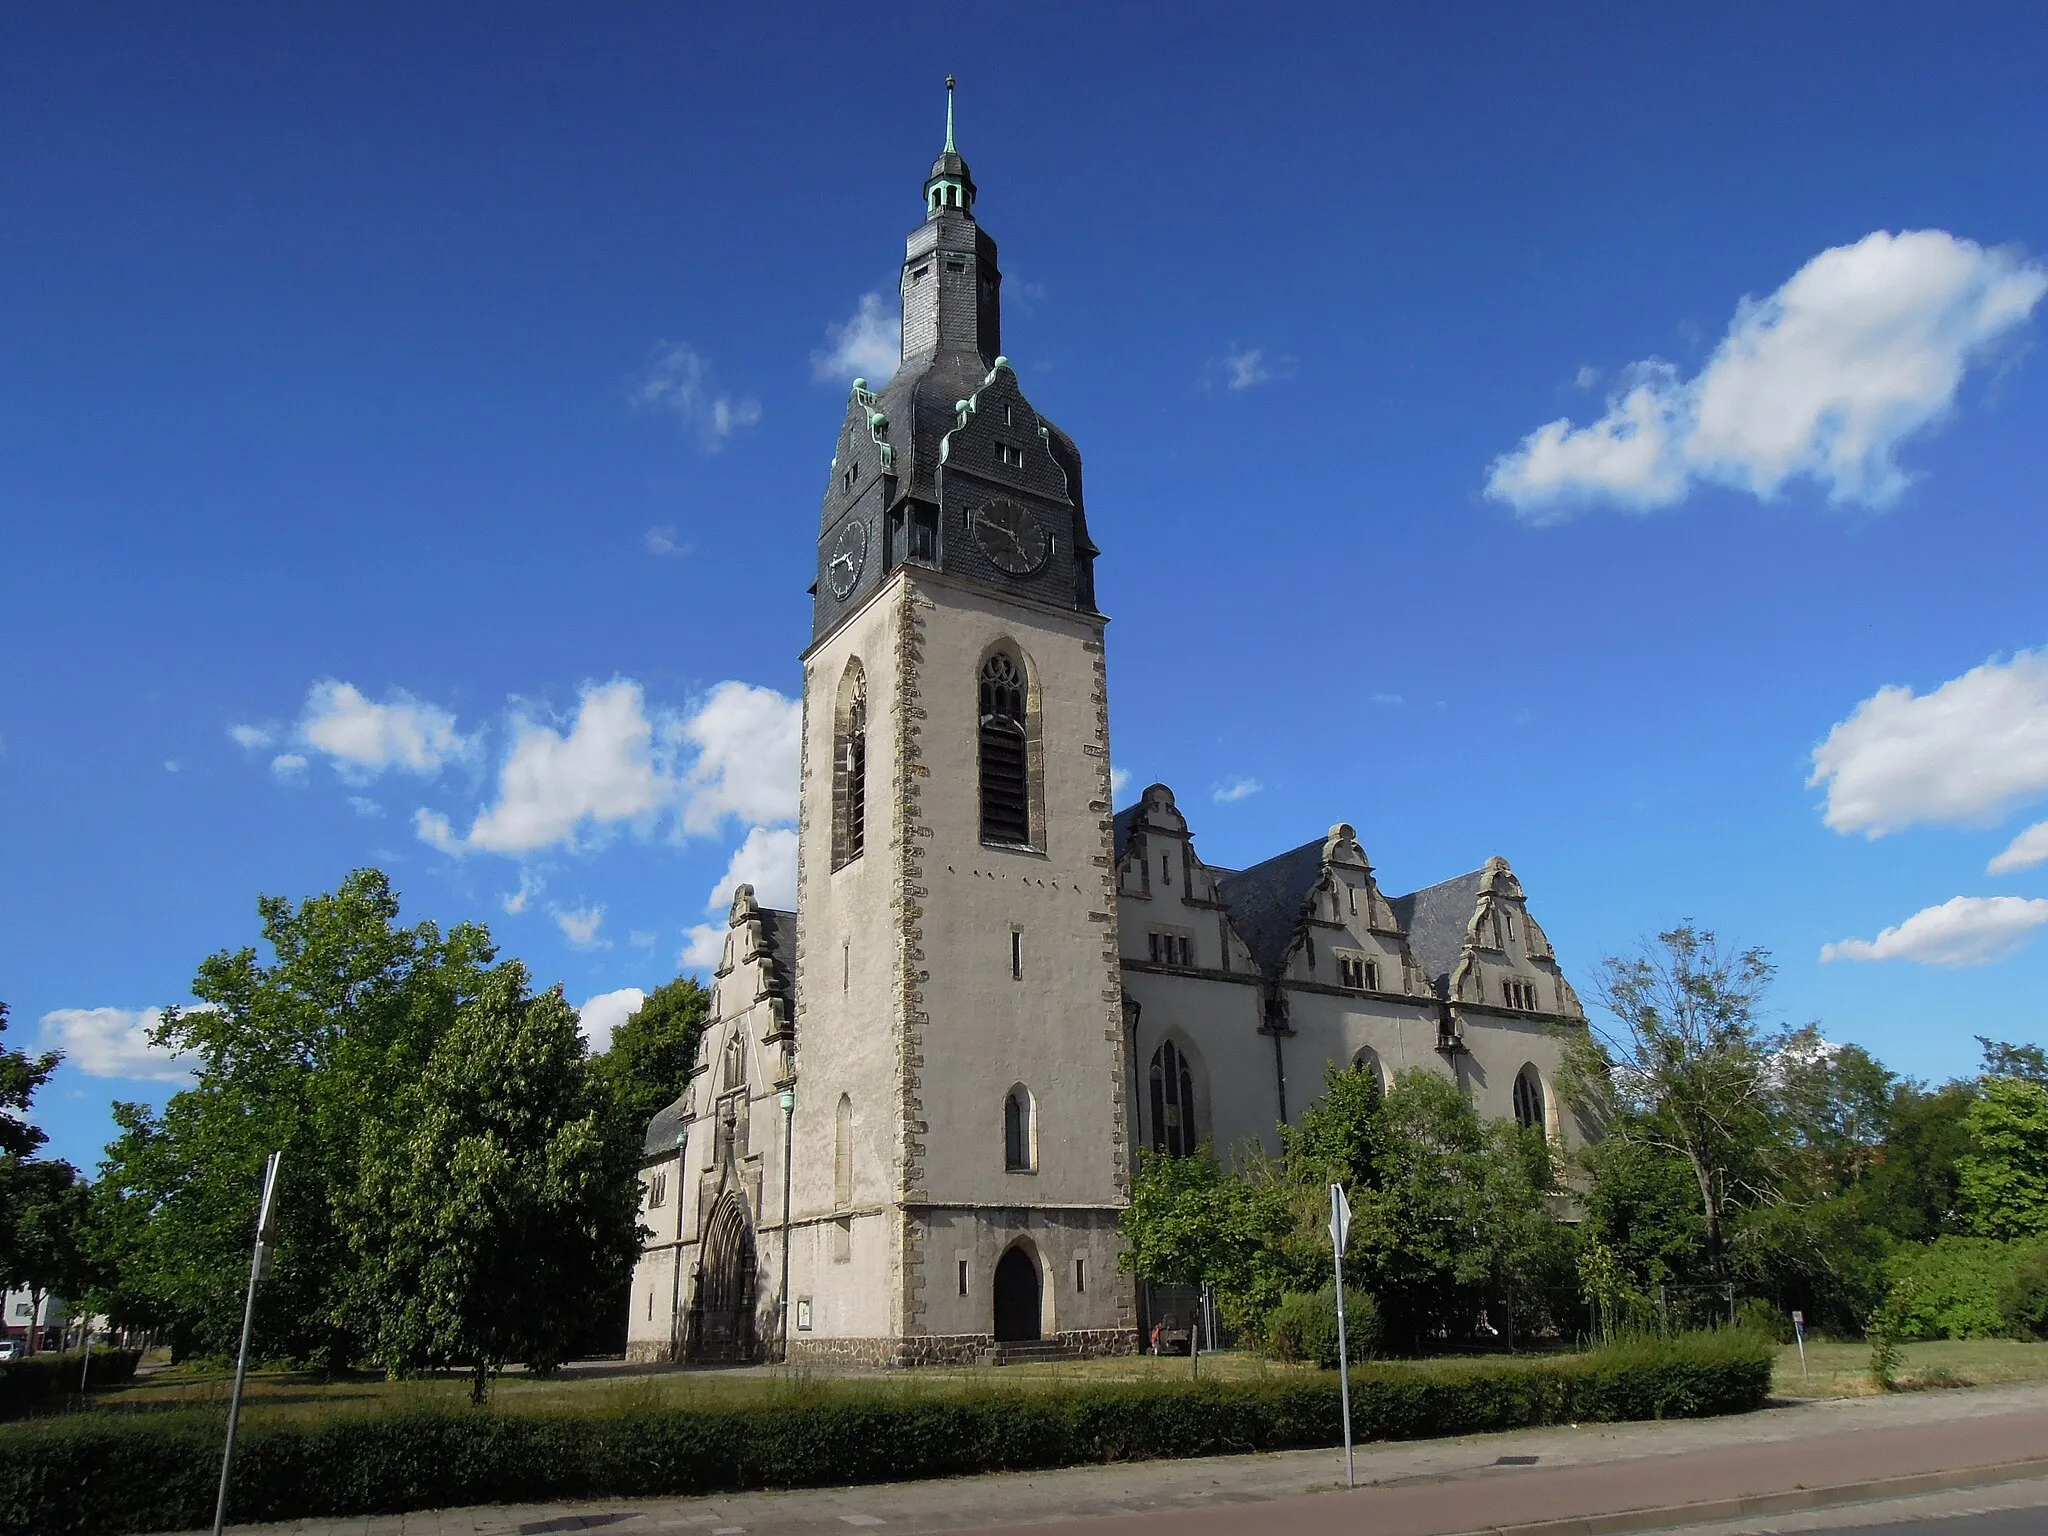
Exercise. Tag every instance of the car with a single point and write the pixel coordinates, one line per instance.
(10, 1349)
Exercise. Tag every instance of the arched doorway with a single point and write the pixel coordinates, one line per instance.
(1017, 1306)
(722, 1317)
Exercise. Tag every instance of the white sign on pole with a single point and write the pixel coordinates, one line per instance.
(1799, 1333)
(1340, 1231)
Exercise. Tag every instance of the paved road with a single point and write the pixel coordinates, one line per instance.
(2011, 1509)
(1424, 1488)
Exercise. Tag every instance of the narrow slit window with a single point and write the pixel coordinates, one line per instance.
(1080, 1274)
(963, 1276)
(1016, 954)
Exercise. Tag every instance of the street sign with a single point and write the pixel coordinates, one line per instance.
(1340, 1217)
(1340, 1229)
(1798, 1319)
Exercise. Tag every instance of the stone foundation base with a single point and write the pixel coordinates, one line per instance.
(650, 1352)
(927, 1349)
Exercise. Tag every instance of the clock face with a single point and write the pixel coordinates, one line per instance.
(849, 554)
(1012, 537)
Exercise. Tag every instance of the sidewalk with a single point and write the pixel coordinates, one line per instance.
(1417, 1488)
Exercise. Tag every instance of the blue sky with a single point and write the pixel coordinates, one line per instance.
(413, 422)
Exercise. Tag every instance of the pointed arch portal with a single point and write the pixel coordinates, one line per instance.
(722, 1318)
(1017, 1297)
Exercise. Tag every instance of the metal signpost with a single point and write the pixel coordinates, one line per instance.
(1799, 1333)
(265, 1230)
(1340, 1229)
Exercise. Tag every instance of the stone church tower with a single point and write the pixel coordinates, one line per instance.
(958, 1148)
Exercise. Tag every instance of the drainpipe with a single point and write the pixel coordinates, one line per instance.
(788, 1138)
(675, 1294)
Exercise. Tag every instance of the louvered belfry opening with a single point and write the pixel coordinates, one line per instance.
(1005, 788)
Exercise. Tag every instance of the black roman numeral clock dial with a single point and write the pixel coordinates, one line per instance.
(849, 554)
(1012, 537)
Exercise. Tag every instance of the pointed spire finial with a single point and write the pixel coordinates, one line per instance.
(949, 116)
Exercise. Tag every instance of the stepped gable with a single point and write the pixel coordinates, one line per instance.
(1437, 919)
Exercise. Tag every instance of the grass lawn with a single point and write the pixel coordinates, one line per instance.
(281, 1393)
(1843, 1370)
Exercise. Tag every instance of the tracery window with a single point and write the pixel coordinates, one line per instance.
(850, 766)
(1173, 1102)
(735, 1069)
(1529, 1100)
(1005, 753)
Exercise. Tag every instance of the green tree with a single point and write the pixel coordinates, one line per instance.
(303, 1054)
(1685, 1067)
(2003, 1179)
(648, 1062)
(2004, 1059)
(47, 1254)
(496, 1199)
(20, 1076)
(1913, 1186)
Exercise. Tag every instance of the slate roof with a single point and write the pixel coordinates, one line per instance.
(1266, 900)
(664, 1128)
(1436, 918)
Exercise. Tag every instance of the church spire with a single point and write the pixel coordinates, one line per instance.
(949, 185)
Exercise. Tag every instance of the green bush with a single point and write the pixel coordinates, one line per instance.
(1956, 1284)
(45, 1381)
(1303, 1327)
(2023, 1299)
(100, 1474)
(1760, 1317)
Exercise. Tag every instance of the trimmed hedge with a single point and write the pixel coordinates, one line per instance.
(45, 1381)
(114, 1473)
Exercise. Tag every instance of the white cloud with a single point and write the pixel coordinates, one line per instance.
(1825, 379)
(364, 806)
(1386, 698)
(748, 743)
(767, 862)
(620, 763)
(661, 540)
(867, 346)
(639, 938)
(433, 830)
(1250, 368)
(604, 771)
(2024, 852)
(679, 380)
(1236, 789)
(253, 738)
(1963, 754)
(515, 902)
(1118, 778)
(363, 739)
(703, 947)
(601, 1015)
(1587, 376)
(114, 1042)
(288, 765)
(1965, 930)
(172, 765)
(579, 926)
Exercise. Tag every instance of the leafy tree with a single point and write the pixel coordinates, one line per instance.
(2004, 1059)
(46, 1238)
(2003, 1180)
(649, 1059)
(1685, 1067)
(303, 1054)
(1193, 1223)
(495, 1199)
(20, 1076)
(1912, 1188)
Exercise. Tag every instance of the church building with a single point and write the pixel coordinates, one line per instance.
(909, 1134)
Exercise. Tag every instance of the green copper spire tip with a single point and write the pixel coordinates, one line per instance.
(949, 116)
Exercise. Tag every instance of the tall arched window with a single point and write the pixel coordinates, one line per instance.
(1368, 1060)
(842, 1154)
(1173, 1102)
(735, 1069)
(1529, 1100)
(1005, 754)
(1017, 1136)
(850, 766)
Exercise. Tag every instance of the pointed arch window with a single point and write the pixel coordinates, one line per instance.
(1173, 1102)
(1529, 1100)
(850, 766)
(1005, 753)
(1017, 1131)
(735, 1068)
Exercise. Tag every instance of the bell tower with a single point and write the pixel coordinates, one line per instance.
(960, 1156)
